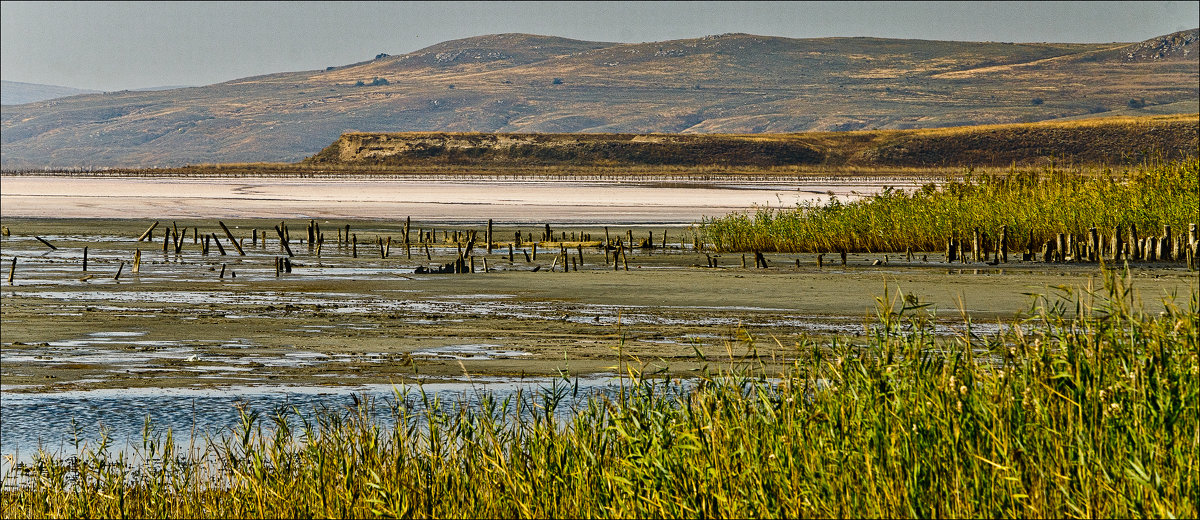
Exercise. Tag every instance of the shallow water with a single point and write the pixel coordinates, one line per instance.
(49, 421)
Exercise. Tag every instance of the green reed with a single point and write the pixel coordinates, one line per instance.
(1034, 205)
(1085, 407)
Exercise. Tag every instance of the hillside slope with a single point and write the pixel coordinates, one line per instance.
(514, 83)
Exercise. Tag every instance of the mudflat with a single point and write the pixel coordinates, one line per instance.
(346, 315)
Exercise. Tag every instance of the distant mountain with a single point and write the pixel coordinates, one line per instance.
(733, 83)
(16, 92)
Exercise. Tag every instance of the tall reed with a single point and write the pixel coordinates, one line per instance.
(1034, 205)
(1086, 407)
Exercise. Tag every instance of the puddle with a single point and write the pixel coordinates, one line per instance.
(470, 352)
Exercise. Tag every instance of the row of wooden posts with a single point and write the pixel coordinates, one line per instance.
(1094, 246)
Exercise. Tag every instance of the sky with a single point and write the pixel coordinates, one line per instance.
(118, 45)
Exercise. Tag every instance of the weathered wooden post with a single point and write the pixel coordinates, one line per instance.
(820, 260)
(843, 253)
(975, 245)
(579, 252)
(85, 249)
(147, 234)
(283, 241)
(218, 243)
(743, 260)
(12, 269)
(1094, 245)
(535, 251)
(137, 260)
(1135, 245)
(1002, 247)
(117, 277)
(1166, 252)
(510, 253)
(232, 240)
(48, 244)
(312, 233)
(488, 236)
(951, 250)
(1116, 244)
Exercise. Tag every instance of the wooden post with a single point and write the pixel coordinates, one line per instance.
(196, 236)
(517, 239)
(975, 245)
(535, 251)
(843, 253)
(218, 243)
(546, 236)
(283, 241)
(488, 236)
(1060, 248)
(222, 272)
(579, 250)
(510, 253)
(625, 260)
(85, 248)
(1094, 247)
(606, 242)
(1002, 246)
(12, 269)
(117, 277)
(137, 260)
(427, 256)
(820, 261)
(1135, 245)
(166, 239)
(231, 240)
(485, 265)
(1166, 252)
(743, 260)
(254, 237)
(48, 244)
(147, 234)
(1116, 244)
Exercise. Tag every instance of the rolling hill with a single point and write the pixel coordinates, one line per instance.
(518, 83)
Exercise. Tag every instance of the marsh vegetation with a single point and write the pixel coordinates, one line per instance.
(1085, 406)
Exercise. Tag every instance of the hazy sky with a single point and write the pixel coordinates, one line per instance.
(117, 45)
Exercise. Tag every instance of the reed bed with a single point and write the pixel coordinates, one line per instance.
(1035, 205)
(1085, 407)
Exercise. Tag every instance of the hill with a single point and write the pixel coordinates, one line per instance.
(18, 93)
(515, 83)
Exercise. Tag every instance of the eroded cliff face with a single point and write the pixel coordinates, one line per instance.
(1111, 141)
